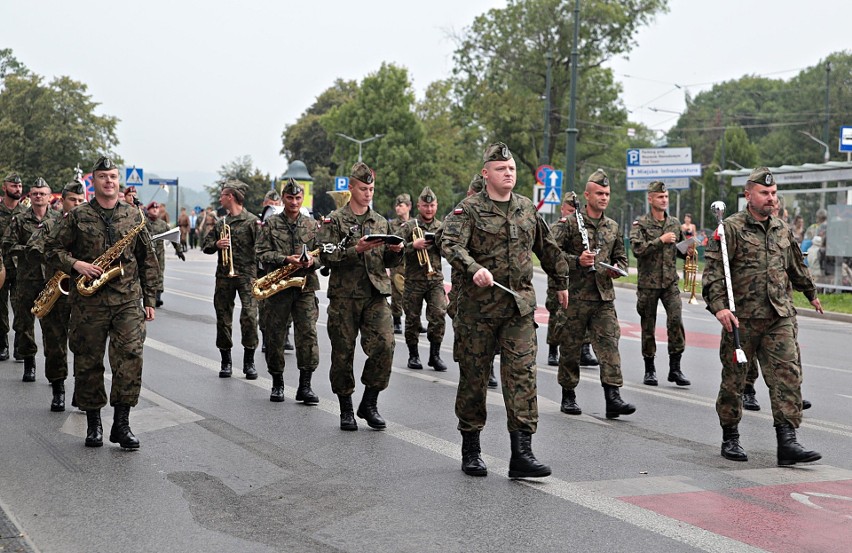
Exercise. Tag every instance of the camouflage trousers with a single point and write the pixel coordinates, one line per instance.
(754, 366)
(90, 327)
(6, 294)
(477, 340)
(600, 320)
(432, 292)
(372, 318)
(397, 301)
(224, 297)
(54, 329)
(277, 310)
(25, 293)
(773, 343)
(556, 320)
(646, 306)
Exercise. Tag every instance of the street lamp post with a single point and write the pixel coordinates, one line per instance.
(360, 143)
(826, 157)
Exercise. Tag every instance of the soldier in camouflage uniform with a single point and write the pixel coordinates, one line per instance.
(280, 243)
(402, 206)
(30, 279)
(763, 262)
(420, 286)
(653, 237)
(54, 325)
(592, 307)
(271, 198)
(244, 230)
(114, 311)
(158, 226)
(12, 191)
(357, 292)
(490, 239)
(556, 319)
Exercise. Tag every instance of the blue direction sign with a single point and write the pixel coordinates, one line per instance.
(133, 176)
(553, 186)
(161, 182)
(341, 183)
(845, 144)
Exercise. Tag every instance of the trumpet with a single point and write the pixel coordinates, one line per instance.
(422, 255)
(227, 253)
(690, 273)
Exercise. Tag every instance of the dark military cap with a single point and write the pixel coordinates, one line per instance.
(599, 177)
(762, 176)
(496, 152)
(152, 205)
(292, 187)
(13, 177)
(657, 186)
(361, 172)
(427, 196)
(73, 187)
(477, 183)
(272, 195)
(123, 189)
(130, 190)
(104, 164)
(239, 188)
(40, 183)
(402, 199)
(569, 198)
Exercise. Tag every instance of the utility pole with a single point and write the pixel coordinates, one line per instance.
(825, 133)
(544, 158)
(360, 143)
(571, 145)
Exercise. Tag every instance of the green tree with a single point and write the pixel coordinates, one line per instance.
(242, 168)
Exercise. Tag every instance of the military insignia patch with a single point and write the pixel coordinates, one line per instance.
(458, 211)
(769, 180)
(326, 220)
(563, 219)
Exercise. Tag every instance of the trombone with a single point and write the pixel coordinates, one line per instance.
(690, 272)
(227, 253)
(422, 255)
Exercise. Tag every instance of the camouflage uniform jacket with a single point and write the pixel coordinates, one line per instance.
(604, 234)
(764, 263)
(15, 239)
(657, 262)
(413, 270)
(156, 227)
(558, 232)
(479, 235)
(396, 228)
(244, 230)
(35, 245)
(280, 238)
(6, 215)
(356, 275)
(83, 235)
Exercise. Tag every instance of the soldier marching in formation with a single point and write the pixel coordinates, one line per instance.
(10, 206)
(157, 226)
(402, 207)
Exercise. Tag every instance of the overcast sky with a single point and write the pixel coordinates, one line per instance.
(198, 83)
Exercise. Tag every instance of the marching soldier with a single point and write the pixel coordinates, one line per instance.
(12, 191)
(490, 240)
(279, 244)
(653, 237)
(158, 226)
(114, 311)
(272, 198)
(30, 279)
(54, 325)
(420, 285)
(357, 292)
(402, 206)
(763, 261)
(592, 307)
(235, 273)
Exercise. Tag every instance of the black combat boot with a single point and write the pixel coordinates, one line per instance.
(731, 448)
(277, 394)
(94, 430)
(472, 463)
(347, 416)
(806, 404)
(587, 357)
(523, 463)
(492, 380)
(553, 356)
(58, 403)
(749, 400)
(304, 392)
(650, 372)
(616, 406)
(225, 368)
(248, 364)
(4, 347)
(368, 410)
(791, 451)
(120, 433)
(397, 325)
(569, 402)
(675, 374)
(15, 354)
(435, 360)
(414, 358)
(29, 369)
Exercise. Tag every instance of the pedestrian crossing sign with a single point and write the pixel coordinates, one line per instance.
(133, 176)
(552, 196)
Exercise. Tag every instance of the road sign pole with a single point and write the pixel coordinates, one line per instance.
(177, 198)
(571, 145)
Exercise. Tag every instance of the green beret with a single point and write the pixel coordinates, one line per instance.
(13, 177)
(477, 183)
(292, 187)
(40, 183)
(427, 196)
(496, 152)
(73, 187)
(104, 164)
(238, 187)
(402, 199)
(762, 176)
(362, 173)
(657, 186)
(569, 198)
(599, 177)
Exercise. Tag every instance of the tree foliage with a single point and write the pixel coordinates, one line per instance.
(242, 168)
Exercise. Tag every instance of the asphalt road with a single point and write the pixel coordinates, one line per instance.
(223, 469)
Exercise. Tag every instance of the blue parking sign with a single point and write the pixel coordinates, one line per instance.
(341, 183)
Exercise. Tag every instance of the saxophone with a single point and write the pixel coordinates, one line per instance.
(57, 286)
(88, 287)
(279, 279)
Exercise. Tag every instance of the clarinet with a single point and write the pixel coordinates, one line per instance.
(584, 234)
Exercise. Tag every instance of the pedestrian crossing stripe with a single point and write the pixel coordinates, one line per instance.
(134, 177)
(552, 197)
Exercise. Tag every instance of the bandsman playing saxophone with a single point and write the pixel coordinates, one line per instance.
(281, 242)
(97, 231)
